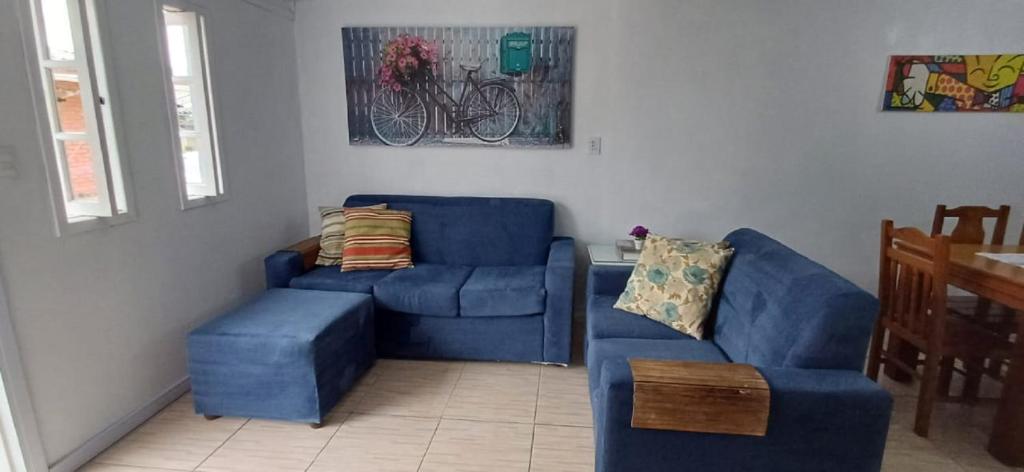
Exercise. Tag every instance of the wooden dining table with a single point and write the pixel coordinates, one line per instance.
(1002, 283)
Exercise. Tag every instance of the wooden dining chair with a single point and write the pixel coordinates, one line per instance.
(970, 223)
(912, 290)
(970, 229)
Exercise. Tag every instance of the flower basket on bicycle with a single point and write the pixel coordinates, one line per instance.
(398, 114)
(404, 59)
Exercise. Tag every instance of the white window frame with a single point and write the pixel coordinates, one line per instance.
(114, 203)
(212, 189)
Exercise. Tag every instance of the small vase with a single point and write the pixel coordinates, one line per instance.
(638, 244)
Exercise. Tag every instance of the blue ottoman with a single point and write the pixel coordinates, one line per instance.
(288, 355)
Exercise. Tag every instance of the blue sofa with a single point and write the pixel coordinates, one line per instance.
(490, 281)
(803, 327)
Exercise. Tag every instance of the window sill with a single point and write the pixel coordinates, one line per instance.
(190, 203)
(83, 224)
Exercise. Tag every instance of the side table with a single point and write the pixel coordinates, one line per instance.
(607, 254)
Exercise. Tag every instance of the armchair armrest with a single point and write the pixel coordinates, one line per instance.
(607, 280)
(818, 420)
(291, 262)
(558, 282)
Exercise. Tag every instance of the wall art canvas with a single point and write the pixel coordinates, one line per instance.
(980, 82)
(459, 86)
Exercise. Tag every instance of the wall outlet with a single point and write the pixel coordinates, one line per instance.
(595, 146)
(7, 167)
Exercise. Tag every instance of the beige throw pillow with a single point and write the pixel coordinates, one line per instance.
(332, 234)
(674, 282)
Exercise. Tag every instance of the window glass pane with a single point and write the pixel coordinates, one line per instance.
(57, 29)
(68, 92)
(177, 48)
(190, 156)
(183, 105)
(78, 157)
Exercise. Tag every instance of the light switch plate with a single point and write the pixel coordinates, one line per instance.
(7, 167)
(595, 146)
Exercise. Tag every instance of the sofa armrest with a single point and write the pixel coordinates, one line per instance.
(309, 249)
(291, 262)
(818, 420)
(558, 282)
(607, 280)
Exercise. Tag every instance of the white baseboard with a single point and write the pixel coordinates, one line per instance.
(106, 438)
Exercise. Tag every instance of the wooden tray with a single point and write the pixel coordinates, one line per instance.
(699, 397)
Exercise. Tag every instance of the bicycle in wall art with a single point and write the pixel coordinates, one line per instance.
(459, 86)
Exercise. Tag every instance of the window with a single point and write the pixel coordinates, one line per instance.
(85, 169)
(191, 105)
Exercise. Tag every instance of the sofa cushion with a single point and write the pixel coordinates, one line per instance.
(606, 321)
(780, 309)
(688, 349)
(503, 291)
(474, 231)
(427, 289)
(331, 278)
(283, 315)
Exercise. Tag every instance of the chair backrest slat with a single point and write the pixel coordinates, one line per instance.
(926, 288)
(915, 296)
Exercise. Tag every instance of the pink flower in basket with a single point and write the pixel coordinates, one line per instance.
(403, 59)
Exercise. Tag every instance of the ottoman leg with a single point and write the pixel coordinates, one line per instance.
(316, 425)
(211, 417)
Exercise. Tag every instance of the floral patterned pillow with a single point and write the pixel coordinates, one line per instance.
(674, 282)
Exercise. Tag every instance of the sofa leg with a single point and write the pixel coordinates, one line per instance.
(316, 425)
(211, 417)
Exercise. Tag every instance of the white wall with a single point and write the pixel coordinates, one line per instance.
(715, 114)
(101, 317)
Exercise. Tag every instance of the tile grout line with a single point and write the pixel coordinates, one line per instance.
(333, 435)
(348, 414)
(221, 444)
(533, 430)
(462, 369)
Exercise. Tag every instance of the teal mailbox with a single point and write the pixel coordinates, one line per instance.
(516, 53)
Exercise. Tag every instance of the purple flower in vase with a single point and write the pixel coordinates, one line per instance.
(639, 232)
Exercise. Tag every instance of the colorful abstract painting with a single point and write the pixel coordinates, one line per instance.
(983, 82)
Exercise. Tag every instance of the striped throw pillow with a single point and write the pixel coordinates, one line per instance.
(377, 239)
(332, 234)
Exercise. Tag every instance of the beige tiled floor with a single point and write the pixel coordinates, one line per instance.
(958, 437)
(403, 416)
(408, 416)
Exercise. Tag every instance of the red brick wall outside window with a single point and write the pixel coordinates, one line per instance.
(78, 153)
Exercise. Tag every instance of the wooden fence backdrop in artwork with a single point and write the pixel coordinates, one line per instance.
(545, 92)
